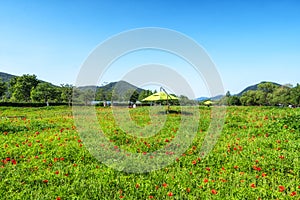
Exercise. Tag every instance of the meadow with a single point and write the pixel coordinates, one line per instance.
(256, 157)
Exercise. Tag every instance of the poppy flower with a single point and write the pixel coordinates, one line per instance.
(170, 194)
(281, 188)
(151, 197)
(293, 194)
(205, 180)
(13, 161)
(253, 185)
(194, 162)
(164, 185)
(45, 181)
(213, 191)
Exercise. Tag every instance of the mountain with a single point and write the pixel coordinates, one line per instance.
(254, 87)
(6, 77)
(120, 87)
(201, 98)
(215, 98)
(251, 87)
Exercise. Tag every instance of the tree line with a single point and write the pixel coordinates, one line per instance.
(267, 94)
(27, 88)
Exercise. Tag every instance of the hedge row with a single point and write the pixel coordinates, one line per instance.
(29, 104)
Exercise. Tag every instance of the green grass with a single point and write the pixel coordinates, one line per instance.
(43, 157)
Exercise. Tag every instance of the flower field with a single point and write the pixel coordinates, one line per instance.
(256, 157)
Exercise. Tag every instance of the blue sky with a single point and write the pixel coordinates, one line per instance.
(249, 41)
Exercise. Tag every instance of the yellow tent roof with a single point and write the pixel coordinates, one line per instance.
(160, 96)
(208, 102)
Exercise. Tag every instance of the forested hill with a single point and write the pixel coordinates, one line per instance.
(6, 77)
(120, 86)
(254, 87)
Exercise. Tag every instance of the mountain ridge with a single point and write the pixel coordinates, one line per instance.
(124, 86)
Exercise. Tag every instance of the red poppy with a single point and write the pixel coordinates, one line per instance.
(213, 191)
(194, 162)
(264, 175)
(205, 180)
(13, 161)
(253, 185)
(170, 194)
(137, 185)
(151, 197)
(56, 172)
(293, 194)
(188, 189)
(164, 185)
(207, 168)
(121, 196)
(45, 181)
(281, 188)
(58, 198)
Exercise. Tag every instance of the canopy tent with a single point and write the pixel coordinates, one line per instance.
(160, 96)
(208, 103)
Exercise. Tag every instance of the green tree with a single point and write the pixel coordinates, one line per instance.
(67, 93)
(144, 93)
(100, 94)
(265, 91)
(86, 96)
(281, 95)
(233, 101)
(295, 95)
(43, 92)
(21, 87)
(249, 98)
(3, 88)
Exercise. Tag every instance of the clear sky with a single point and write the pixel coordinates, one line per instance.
(249, 41)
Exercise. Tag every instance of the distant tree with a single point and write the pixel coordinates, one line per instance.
(295, 95)
(43, 92)
(131, 95)
(144, 93)
(184, 100)
(233, 101)
(249, 98)
(87, 96)
(281, 95)
(3, 88)
(100, 94)
(228, 94)
(265, 92)
(66, 93)
(21, 87)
